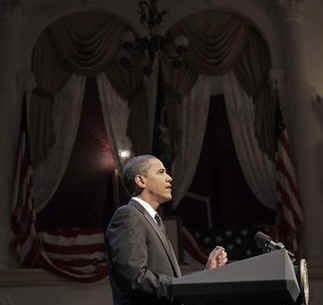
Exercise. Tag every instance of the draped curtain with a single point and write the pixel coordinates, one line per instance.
(193, 117)
(258, 169)
(74, 47)
(219, 43)
(87, 44)
(66, 113)
(82, 43)
(226, 45)
(252, 72)
(114, 108)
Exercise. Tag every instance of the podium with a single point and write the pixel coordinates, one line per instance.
(265, 279)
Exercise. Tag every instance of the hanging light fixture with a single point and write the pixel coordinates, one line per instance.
(154, 42)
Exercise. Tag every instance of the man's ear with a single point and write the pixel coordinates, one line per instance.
(140, 181)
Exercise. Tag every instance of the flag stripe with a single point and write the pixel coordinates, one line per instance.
(291, 210)
(72, 249)
(63, 238)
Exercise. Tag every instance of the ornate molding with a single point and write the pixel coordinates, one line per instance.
(292, 9)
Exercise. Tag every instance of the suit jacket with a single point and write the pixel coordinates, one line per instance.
(141, 260)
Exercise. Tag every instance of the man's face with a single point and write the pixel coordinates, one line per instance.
(157, 183)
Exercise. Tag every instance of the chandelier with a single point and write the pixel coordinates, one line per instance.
(154, 43)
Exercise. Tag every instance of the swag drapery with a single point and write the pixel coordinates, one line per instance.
(71, 49)
(228, 50)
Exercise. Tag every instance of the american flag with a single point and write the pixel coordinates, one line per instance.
(75, 253)
(24, 244)
(291, 210)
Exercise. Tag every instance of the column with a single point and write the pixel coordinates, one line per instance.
(9, 119)
(306, 133)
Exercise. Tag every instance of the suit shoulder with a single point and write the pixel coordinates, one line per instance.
(125, 214)
(125, 221)
(124, 210)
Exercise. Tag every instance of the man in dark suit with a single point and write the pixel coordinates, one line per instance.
(141, 259)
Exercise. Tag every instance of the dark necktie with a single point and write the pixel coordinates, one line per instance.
(160, 223)
(170, 247)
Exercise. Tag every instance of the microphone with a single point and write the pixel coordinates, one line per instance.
(265, 243)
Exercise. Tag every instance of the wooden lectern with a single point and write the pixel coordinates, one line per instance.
(265, 279)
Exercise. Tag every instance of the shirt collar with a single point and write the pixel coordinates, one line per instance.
(146, 206)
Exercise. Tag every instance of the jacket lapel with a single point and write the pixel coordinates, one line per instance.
(166, 244)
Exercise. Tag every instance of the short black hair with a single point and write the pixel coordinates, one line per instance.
(137, 165)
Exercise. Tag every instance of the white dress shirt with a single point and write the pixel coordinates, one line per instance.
(147, 207)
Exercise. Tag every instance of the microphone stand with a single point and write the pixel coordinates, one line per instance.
(269, 247)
